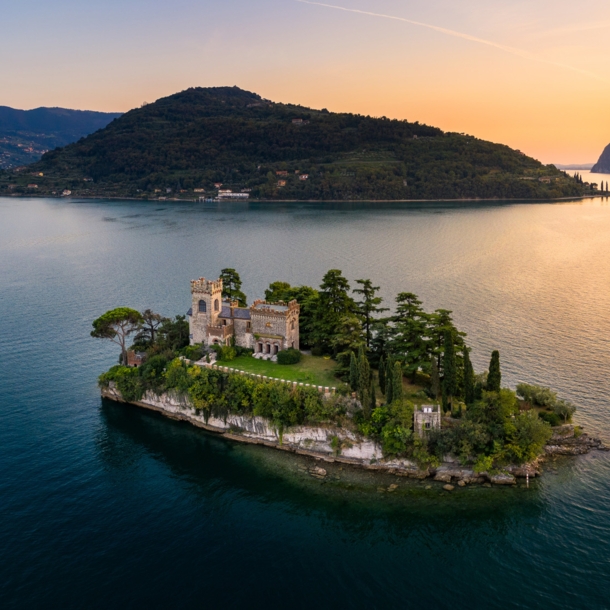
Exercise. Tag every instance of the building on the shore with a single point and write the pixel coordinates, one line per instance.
(265, 327)
(426, 418)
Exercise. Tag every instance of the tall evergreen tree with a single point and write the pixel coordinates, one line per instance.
(353, 373)
(435, 380)
(469, 381)
(494, 377)
(364, 375)
(397, 382)
(368, 307)
(373, 397)
(231, 286)
(449, 371)
(389, 383)
(382, 375)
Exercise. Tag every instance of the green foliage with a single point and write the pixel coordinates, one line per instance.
(435, 381)
(116, 325)
(564, 409)
(484, 463)
(226, 353)
(536, 395)
(201, 136)
(397, 391)
(368, 306)
(353, 373)
(381, 375)
(127, 381)
(494, 378)
(289, 356)
(193, 352)
(449, 371)
(173, 334)
(389, 383)
(469, 380)
(526, 435)
(231, 286)
(551, 418)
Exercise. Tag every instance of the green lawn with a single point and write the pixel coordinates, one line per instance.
(316, 371)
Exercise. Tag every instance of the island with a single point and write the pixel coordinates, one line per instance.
(327, 373)
(227, 144)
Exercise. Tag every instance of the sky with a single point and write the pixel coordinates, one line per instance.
(533, 74)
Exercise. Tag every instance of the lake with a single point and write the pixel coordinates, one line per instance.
(104, 505)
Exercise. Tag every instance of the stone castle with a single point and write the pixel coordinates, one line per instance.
(265, 327)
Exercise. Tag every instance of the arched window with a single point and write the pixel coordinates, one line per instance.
(292, 325)
(202, 307)
(216, 305)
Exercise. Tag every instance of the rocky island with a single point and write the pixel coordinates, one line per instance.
(321, 373)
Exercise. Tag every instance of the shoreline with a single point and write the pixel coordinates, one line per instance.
(317, 443)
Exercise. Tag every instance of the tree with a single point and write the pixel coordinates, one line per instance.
(334, 303)
(382, 375)
(409, 338)
(364, 375)
(148, 327)
(564, 409)
(469, 380)
(277, 291)
(435, 380)
(397, 382)
(116, 325)
(449, 372)
(368, 306)
(494, 377)
(389, 377)
(231, 287)
(174, 334)
(373, 397)
(353, 372)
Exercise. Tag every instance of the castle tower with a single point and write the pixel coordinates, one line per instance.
(206, 307)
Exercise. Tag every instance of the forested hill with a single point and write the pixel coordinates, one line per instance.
(185, 144)
(26, 134)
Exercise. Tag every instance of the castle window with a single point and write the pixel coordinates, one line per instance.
(202, 307)
(292, 325)
(216, 305)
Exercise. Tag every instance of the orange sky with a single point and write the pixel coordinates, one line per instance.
(532, 74)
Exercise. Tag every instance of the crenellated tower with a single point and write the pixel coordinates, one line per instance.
(206, 297)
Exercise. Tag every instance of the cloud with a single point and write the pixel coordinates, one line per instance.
(507, 49)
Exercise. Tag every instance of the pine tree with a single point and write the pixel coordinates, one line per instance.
(397, 382)
(382, 375)
(435, 380)
(449, 371)
(494, 378)
(468, 379)
(368, 306)
(353, 372)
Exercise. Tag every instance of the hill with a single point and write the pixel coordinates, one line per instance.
(603, 165)
(185, 144)
(25, 135)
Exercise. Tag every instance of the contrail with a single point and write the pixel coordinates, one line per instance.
(512, 50)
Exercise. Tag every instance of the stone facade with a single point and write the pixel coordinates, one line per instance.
(265, 327)
(428, 417)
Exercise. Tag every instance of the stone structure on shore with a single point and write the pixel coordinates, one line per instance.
(427, 418)
(265, 327)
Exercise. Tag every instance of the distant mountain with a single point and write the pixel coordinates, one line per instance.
(25, 135)
(574, 166)
(192, 143)
(603, 165)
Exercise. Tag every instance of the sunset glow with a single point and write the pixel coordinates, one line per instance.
(533, 75)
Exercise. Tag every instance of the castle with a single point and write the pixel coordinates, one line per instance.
(265, 327)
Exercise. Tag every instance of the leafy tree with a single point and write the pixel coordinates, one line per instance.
(231, 287)
(382, 377)
(526, 435)
(116, 325)
(368, 307)
(564, 409)
(449, 372)
(469, 380)
(174, 334)
(536, 395)
(494, 378)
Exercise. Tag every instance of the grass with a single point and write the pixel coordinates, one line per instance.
(311, 369)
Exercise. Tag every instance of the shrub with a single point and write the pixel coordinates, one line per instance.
(193, 352)
(226, 353)
(289, 356)
(536, 395)
(551, 418)
(316, 351)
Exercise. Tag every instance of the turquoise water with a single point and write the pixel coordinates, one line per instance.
(105, 505)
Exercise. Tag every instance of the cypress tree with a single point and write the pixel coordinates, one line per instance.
(435, 380)
(373, 397)
(365, 401)
(397, 382)
(364, 380)
(468, 378)
(449, 371)
(389, 384)
(382, 375)
(494, 378)
(353, 372)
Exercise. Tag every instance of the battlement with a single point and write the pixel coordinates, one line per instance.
(281, 309)
(206, 286)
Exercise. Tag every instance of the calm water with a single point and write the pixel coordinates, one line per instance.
(106, 506)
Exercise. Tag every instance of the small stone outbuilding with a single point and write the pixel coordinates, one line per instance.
(425, 418)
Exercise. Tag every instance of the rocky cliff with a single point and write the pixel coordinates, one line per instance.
(603, 165)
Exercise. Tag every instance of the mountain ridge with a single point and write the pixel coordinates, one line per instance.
(603, 164)
(194, 140)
